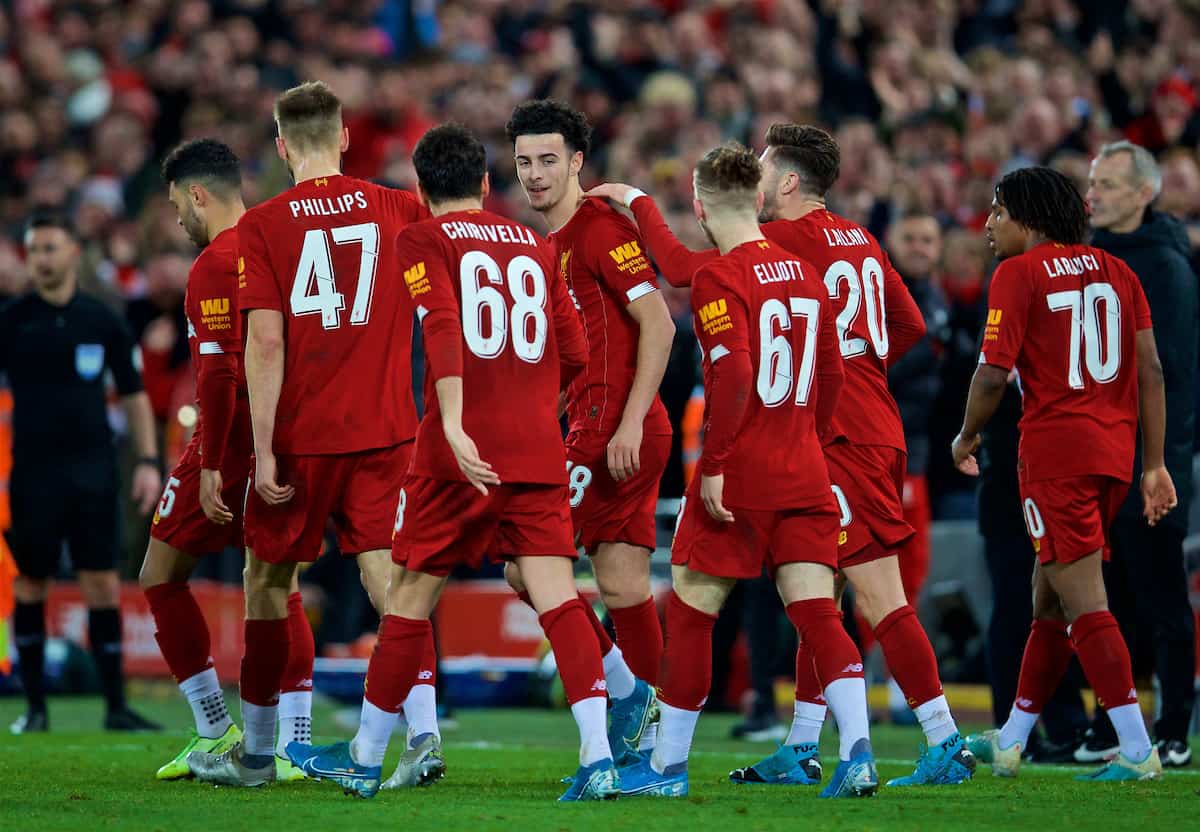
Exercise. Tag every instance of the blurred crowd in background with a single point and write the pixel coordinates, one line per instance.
(930, 100)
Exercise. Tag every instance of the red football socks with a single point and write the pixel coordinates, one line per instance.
(686, 674)
(1105, 658)
(427, 672)
(808, 687)
(264, 660)
(819, 624)
(640, 637)
(399, 655)
(577, 655)
(180, 629)
(1047, 654)
(297, 673)
(602, 638)
(909, 655)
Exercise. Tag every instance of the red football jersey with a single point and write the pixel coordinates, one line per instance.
(485, 286)
(324, 254)
(877, 319)
(214, 325)
(600, 257)
(763, 300)
(1067, 318)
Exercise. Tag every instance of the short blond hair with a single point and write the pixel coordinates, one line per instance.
(727, 178)
(309, 117)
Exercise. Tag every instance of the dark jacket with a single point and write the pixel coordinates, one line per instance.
(916, 378)
(1158, 253)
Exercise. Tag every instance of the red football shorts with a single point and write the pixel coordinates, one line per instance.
(604, 510)
(357, 491)
(868, 481)
(756, 538)
(441, 524)
(1068, 518)
(180, 522)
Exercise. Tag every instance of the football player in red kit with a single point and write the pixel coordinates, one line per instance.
(489, 471)
(771, 370)
(201, 508)
(327, 318)
(619, 436)
(1073, 322)
(877, 321)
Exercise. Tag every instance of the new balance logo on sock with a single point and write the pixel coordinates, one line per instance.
(853, 668)
(425, 674)
(1133, 693)
(1024, 703)
(305, 684)
(600, 685)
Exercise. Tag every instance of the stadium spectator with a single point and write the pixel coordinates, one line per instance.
(56, 345)
(1146, 579)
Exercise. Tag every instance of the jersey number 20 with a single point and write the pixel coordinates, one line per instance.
(863, 287)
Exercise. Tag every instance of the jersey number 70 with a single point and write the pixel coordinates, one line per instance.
(1092, 330)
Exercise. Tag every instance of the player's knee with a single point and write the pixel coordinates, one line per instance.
(513, 575)
(100, 589)
(622, 590)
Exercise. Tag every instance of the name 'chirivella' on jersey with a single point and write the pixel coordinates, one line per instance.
(778, 271)
(1073, 266)
(517, 234)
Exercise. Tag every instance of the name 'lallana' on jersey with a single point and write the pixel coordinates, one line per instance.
(1064, 266)
(778, 271)
(845, 237)
(327, 206)
(517, 234)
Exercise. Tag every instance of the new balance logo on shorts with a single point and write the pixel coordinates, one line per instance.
(856, 667)
(425, 675)
(600, 685)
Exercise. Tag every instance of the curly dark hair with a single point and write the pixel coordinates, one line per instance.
(209, 162)
(549, 115)
(1045, 201)
(450, 163)
(808, 151)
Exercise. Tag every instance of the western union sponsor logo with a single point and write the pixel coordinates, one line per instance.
(994, 316)
(415, 279)
(712, 310)
(625, 251)
(214, 306)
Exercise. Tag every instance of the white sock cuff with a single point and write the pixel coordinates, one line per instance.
(295, 704)
(202, 685)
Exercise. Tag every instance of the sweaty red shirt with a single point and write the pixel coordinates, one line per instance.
(763, 303)
(1067, 318)
(600, 257)
(877, 319)
(492, 312)
(324, 254)
(215, 338)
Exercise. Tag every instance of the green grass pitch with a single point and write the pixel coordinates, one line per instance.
(503, 772)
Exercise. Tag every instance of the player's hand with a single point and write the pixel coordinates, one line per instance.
(1158, 495)
(963, 451)
(147, 487)
(624, 451)
(477, 472)
(712, 490)
(266, 484)
(210, 498)
(616, 191)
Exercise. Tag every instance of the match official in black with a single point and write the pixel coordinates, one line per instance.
(1147, 585)
(56, 344)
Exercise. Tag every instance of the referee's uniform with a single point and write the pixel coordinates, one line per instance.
(64, 483)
